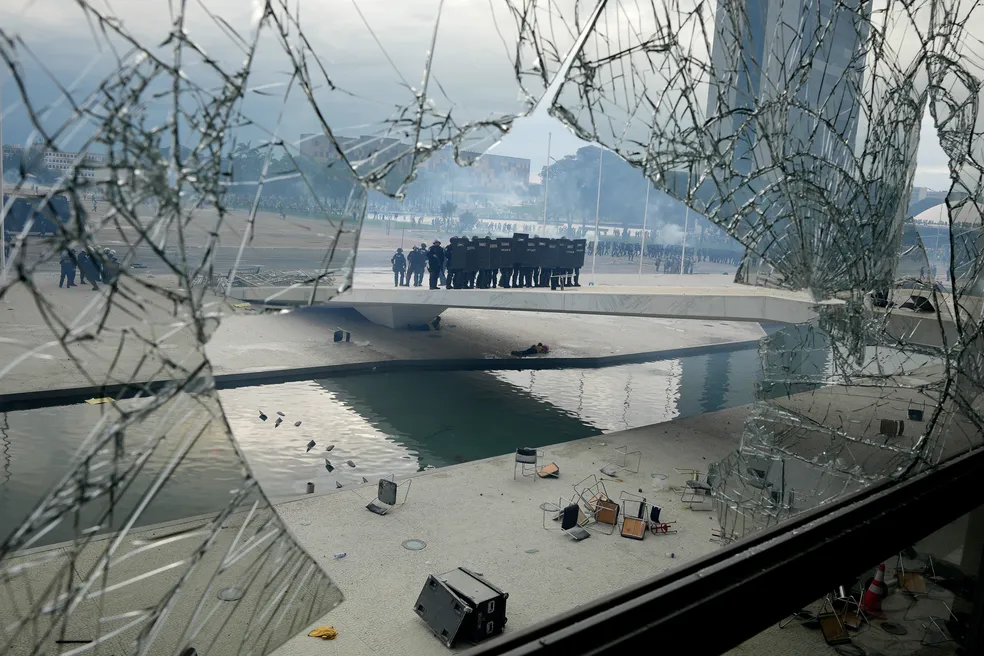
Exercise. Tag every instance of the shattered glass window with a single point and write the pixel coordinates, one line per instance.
(153, 162)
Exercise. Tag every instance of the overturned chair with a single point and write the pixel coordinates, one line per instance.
(635, 516)
(528, 463)
(624, 460)
(657, 525)
(386, 495)
(568, 513)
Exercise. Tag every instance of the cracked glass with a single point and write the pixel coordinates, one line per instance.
(792, 126)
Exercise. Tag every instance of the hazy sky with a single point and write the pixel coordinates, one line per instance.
(375, 53)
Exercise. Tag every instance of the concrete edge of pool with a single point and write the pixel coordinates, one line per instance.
(32, 400)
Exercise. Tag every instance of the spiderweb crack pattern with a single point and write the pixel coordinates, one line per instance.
(794, 126)
(235, 581)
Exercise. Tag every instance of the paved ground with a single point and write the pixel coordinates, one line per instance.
(297, 243)
(247, 341)
(476, 515)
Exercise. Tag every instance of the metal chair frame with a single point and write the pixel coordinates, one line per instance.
(696, 489)
(527, 466)
(621, 461)
(644, 509)
(386, 505)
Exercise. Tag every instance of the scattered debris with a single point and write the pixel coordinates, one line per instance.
(310, 488)
(99, 401)
(263, 416)
(363, 343)
(339, 555)
(324, 632)
(310, 445)
(329, 447)
(242, 305)
(337, 484)
(278, 422)
(365, 480)
(329, 466)
(532, 551)
(350, 463)
(296, 424)
(281, 414)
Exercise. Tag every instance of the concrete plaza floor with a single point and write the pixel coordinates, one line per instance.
(475, 515)
(143, 342)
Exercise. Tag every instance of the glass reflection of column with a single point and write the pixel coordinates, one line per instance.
(693, 380)
(796, 359)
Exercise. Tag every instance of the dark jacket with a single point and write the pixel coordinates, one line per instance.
(435, 257)
(399, 262)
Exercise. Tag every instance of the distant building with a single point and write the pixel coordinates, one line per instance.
(490, 173)
(84, 164)
(923, 193)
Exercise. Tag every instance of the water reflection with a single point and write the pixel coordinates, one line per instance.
(41, 447)
(396, 423)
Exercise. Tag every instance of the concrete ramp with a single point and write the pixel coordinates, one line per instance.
(396, 307)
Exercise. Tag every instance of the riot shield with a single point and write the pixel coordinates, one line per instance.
(551, 260)
(505, 252)
(568, 254)
(457, 254)
(494, 259)
(532, 259)
(471, 255)
(519, 241)
(482, 254)
(542, 244)
(579, 247)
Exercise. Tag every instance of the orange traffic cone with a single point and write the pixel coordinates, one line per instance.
(872, 600)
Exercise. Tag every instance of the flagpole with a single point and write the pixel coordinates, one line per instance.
(686, 226)
(645, 215)
(594, 252)
(546, 183)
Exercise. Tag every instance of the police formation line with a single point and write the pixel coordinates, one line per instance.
(487, 262)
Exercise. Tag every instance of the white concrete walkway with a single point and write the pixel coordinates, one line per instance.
(475, 515)
(397, 307)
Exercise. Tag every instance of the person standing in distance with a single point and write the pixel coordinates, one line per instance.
(399, 262)
(435, 261)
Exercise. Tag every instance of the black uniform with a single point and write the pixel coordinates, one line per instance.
(88, 269)
(67, 263)
(447, 265)
(505, 261)
(435, 260)
(399, 262)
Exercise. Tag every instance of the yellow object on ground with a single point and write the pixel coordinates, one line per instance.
(242, 305)
(324, 632)
(104, 399)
